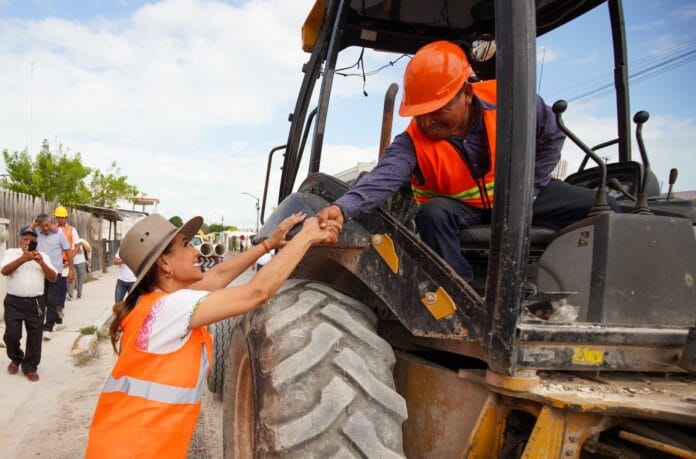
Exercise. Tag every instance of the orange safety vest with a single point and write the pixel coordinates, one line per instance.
(68, 232)
(150, 403)
(444, 172)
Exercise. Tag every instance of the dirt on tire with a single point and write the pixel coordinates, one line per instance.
(322, 379)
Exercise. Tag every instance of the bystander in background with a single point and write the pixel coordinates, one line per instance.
(68, 272)
(81, 257)
(27, 269)
(263, 259)
(54, 244)
(125, 279)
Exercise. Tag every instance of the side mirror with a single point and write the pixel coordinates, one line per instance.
(483, 48)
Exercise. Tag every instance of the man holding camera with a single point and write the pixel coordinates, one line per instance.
(26, 269)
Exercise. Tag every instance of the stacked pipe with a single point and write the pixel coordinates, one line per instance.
(210, 254)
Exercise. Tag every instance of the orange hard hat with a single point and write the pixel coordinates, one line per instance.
(433, 77)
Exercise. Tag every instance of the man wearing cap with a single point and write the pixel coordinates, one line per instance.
(54, 244)
(448, 152)
(26, 270)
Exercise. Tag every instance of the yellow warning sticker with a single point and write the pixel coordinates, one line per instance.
(588, 356)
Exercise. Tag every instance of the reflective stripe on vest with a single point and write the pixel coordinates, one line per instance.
(471, 193)
(444, 172)
(150, 403)
(161, 392)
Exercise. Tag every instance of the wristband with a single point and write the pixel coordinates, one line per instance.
(265, 246)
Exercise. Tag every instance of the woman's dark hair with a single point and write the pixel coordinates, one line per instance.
(123, 308)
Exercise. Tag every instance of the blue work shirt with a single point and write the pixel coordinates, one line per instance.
(53, 244)
(399, 161)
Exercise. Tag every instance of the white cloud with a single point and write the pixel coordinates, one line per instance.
(186, 95)
(651, 26)
(685, 12)
(668, 141)
(548, 54)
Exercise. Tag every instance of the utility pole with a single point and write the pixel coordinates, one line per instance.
(257, 209)
(31, 107)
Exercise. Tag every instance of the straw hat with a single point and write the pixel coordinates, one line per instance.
(147, 239)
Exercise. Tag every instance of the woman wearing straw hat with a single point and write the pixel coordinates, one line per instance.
(150, 403)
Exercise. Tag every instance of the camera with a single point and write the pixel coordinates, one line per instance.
(32, 246)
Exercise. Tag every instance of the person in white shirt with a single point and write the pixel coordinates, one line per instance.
(125, 279)
(81, 252)
(26, 269)
(263, 259)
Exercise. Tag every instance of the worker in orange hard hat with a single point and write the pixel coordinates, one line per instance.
(448, 151)
(68, 274)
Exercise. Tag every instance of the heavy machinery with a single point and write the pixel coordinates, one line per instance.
(376, 348)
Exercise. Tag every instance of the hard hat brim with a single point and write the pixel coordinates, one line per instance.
(422, 109)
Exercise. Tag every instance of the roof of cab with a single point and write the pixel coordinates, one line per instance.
(403, 26)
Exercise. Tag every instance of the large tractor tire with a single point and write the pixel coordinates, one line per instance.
(222, 334)
(307, 376)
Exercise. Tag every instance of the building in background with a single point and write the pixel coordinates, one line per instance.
(351, 174)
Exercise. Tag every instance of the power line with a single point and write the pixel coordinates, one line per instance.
(645, 68)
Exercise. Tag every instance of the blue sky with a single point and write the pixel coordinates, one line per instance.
(188, 96)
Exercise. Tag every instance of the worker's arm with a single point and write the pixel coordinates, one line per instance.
(232, 301)
(392, 169)
(69, 252)
(549, 142)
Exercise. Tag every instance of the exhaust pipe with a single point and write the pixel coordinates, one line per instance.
(220, 250)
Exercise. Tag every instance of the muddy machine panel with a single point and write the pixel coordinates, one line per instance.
(655, 288)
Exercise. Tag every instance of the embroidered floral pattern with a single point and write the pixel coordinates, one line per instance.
(142, 341)
(195, 306)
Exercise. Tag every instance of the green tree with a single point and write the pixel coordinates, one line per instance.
(55, 175)
(107, 189)
(176, 221)
(58, 175)
(214, 228)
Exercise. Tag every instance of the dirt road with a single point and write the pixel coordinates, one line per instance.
(50, 418)
(53, 422)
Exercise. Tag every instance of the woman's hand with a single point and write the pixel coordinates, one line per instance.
(317, 233)
(277, 239)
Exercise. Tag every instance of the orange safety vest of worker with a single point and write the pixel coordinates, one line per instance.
(68, 232)
(444, 171)
(150, 403)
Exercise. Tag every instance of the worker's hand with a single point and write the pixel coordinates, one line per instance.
(313, 230)
(277, 239)
(71, 275)
(331, 216)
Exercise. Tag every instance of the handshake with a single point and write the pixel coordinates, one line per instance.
(332, 217)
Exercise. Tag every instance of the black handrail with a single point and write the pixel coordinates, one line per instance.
(268, 174)
(512, 211)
